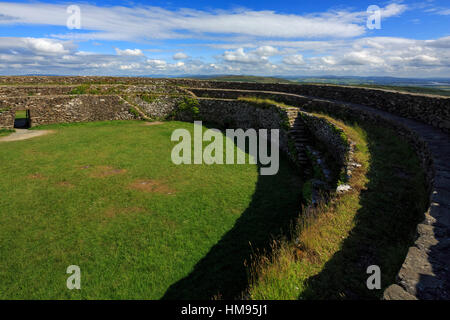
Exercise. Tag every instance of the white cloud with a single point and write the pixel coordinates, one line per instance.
(240, 56)
(361, 58)
(439, 43)
(392, 10)
(146, 22)
(45, 45)
(258, 56)
(296, 59)
(129, 52)
(130, 66)
(266, 51)
(423, 60)
(180, 56)
(156, 64)
(36, 45)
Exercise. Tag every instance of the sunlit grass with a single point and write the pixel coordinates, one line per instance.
(106, 196)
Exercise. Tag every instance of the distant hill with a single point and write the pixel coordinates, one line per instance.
(244, 79)
(439, 86)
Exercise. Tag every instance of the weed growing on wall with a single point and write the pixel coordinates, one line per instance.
(190, 105)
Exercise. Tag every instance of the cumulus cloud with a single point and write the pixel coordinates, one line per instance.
(129, 52)
(240, 56)
(296, 59)
(266, 51)
(180, 56)
(36, 45)
(156, 64)
(361, 58)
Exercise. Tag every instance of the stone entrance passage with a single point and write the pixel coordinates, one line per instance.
(22, 119)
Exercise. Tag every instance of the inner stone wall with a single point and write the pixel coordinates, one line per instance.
(245, 115)
(241, 114)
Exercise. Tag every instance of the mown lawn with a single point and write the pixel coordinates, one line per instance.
(106, 197)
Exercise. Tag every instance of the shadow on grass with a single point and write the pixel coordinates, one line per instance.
(391, 207)
(222, 273)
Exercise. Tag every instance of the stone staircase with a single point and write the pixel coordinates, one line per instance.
(299, 136)
(137, 108)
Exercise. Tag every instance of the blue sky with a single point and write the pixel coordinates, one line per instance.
(222, 37)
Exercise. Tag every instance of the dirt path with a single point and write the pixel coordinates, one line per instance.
(24, 134)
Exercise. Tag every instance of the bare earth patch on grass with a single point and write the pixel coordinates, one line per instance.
(153, 123)
(106, 171)
(152, 186)
(36, 176)
(66, 184)
(114, 211)
(24, 134)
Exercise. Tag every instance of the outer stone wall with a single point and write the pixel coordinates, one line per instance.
(6, 119)
(432, 110)
(80, 109)
(64, 109)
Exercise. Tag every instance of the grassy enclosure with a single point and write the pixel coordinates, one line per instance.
(106, 196)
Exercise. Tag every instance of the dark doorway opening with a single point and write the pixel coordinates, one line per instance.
(22, 119)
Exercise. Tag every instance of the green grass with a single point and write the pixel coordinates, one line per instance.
(375, 223)
(21, 114)
(66, 198)
(5, 132)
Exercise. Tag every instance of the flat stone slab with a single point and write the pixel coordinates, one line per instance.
(395, 292)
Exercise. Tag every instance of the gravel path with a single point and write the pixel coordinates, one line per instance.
(24, 134)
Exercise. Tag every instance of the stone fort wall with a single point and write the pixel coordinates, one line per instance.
(423, 120)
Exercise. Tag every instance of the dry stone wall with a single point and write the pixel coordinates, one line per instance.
(241, 114)
(425, 273)
(432, 110)
(6, 119)
(64, 109)
(229, 113)
(424, 121)
(88, 102)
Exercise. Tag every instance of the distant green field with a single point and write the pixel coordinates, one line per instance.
(437, 90)
(248, 79)
(21, 114)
